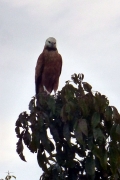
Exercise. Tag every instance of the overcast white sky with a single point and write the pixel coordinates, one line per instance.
(88, 38)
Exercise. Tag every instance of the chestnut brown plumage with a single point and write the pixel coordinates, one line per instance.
(48, 68)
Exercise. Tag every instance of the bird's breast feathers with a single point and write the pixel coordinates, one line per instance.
(52, 60)
(51, 55)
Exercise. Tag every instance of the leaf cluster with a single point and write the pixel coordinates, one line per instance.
(76, 134)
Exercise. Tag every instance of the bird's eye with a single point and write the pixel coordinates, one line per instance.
(49, 41)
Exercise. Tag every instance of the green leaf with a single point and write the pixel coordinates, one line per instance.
(90, 166)
(83, 107)
(70, 155)
(83, 126)
(54, 132)
(98, 135)
(95, 119)
(90, 142)
(114, 158)
(80, 127)
(100, 102)
(42, 160)
(101, 154)
(67, 108)
(17, 130)
(78, 134)
(48, 145)
(32, 118)
(51, 104)
(63, 114)
(32, 105)
(74, 77)
(67, 92)
(66, 132)
(19, 146)
(87, 86)
(114, 133)
(34, 144)
(108, 113)
(116, 115)
(20, 149)
(40, 123)
(81, 90)
(27, 138)
(118, 129)
(60, 154)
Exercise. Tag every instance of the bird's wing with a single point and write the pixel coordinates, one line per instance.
(60, 59)
(38, 72)
(59, 67)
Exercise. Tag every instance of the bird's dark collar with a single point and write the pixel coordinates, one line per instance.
(51, 49)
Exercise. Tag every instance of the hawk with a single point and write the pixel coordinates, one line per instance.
(48, 68)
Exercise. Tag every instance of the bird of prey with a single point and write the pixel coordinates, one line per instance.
(48, 68)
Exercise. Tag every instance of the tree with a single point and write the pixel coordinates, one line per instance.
(76, 134)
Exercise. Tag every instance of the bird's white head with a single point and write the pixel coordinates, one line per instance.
(50, 43)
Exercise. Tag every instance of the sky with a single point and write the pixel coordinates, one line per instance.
(88, 38)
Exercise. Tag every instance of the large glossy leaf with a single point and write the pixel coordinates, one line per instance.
(27, 138)
(20, 149)
(63, 114)
(33, 145)
(48, 145)
(60, 154)
(108, 113)
(19, 146)
(66, 132)
(118, 129)
(54, 132)
(17, 130)
(32, 105)
(42, 160)
(100, 102)
(114, 135)
(98, 135)
(87, 86)
(78, 134)
(90, 142)
(90, 166)
(22, 120)
(83, 126)
(116, 115)
(114, 158)
(83, 107)
(101, 154)
(51, 104)
(95, 119)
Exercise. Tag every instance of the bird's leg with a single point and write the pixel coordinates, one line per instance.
(46, 90)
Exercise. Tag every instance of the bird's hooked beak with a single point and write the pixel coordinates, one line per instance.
(52, 44)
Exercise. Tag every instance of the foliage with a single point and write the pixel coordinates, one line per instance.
(76, 134)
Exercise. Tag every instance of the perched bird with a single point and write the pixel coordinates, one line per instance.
(48, 68)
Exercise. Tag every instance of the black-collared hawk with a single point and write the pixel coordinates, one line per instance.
(48, 68)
